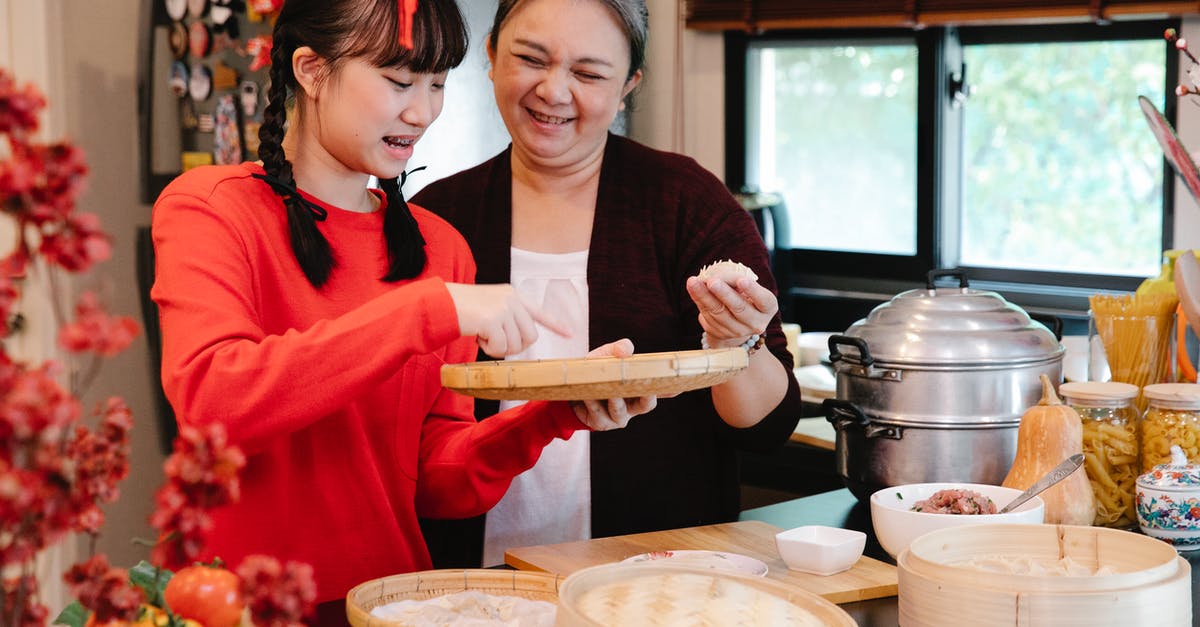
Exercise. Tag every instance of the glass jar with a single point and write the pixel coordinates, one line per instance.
(1172, 417)
(1110, 447)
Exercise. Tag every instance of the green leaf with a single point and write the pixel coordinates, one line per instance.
(73, 615)
(152, 580)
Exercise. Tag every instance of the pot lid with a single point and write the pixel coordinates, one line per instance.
(1177, 474)
(953, 325)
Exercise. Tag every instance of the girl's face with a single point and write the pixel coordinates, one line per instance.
(559, 72)
(368, 118)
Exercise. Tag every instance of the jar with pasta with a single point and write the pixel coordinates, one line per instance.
(1172, 417)
(1110, 447)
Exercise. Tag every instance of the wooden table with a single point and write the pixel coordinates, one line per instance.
(839, 508)
(817, 432)
(869, 578)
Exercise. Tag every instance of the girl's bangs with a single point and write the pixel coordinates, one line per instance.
(439, 38)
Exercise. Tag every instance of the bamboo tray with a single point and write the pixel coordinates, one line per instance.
(428, 584)
(660, 374)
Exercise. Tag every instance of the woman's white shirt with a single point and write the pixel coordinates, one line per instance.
(551, 502)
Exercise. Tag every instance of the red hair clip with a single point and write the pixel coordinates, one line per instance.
(406, 10)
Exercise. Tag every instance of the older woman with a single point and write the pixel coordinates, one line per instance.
(609, 236)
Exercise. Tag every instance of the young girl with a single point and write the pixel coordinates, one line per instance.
(614, 233)
(310, 315)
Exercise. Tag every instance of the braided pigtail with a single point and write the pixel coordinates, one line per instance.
(310, 247)
(405, 244)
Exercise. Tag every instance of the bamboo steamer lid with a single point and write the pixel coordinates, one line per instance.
(650, 594)
(1151, 583)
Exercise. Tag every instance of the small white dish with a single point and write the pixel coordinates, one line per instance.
(714, 560)
(820, 550)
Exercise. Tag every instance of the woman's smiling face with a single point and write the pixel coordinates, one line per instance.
(560, 70)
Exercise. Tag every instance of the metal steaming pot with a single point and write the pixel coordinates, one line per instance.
(931, 387)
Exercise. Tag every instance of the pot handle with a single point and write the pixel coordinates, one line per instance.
(1052, 322)
(864, 357)
(932, 276)
(842, 414)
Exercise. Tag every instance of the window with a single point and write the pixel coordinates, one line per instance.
(1018, 153)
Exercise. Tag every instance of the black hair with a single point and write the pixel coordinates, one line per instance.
(337, 31)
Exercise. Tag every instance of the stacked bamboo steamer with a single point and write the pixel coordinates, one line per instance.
(649, 594)
(941, 581)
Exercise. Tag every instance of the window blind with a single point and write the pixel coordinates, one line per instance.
(764, 15)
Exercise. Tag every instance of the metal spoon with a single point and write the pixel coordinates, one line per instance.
(1056, 474)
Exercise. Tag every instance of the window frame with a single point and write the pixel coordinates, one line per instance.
(855, 275)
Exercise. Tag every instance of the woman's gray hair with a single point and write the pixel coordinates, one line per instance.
(631, 15)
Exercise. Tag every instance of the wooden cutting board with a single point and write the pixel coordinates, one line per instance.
(867, 579)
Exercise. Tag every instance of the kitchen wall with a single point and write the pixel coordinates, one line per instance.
(82, 54)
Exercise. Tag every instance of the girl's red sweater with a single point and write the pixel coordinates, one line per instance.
(334, 394)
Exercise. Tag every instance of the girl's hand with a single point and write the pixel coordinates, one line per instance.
(614, 413)
(501, 321)
(731, 310)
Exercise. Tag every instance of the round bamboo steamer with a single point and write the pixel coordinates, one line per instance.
(428, 584)
(1151, 584)
(595, 378)
(650, 594)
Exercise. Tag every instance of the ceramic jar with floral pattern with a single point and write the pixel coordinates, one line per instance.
(1168, 502)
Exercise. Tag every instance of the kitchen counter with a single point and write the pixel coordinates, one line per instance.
(839, 508)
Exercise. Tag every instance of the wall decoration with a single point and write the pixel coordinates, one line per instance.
(179, 40)
(199, 40)
(228, 140)
(179, 79)
(223, 49)
(196, 8)
(200, 82)
(176, 9)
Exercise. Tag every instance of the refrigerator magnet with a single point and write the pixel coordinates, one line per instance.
(200, 82)
(178, 40)
(205, 123)
(224, 77)
(248, 93)
(196, 8)
(199, 39)
(178, 81)
(187, 115)
(227, 143)
(176, 9)
(221, 11)
(250, 133)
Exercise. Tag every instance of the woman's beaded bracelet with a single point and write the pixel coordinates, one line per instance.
(751, 345)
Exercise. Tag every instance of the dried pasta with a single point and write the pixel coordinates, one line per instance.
(1136, 331)
(1164, 427)
(1110, 450)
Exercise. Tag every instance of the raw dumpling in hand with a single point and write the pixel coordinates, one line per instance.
(727, 270)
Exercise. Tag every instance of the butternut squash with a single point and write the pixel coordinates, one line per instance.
(1049, 433)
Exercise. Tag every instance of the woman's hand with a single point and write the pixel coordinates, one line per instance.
(614, 413)
(502, 322)
(732, 310)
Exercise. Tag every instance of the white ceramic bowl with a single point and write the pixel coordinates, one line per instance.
(896, 525)
(820, 550)
(814, 347)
